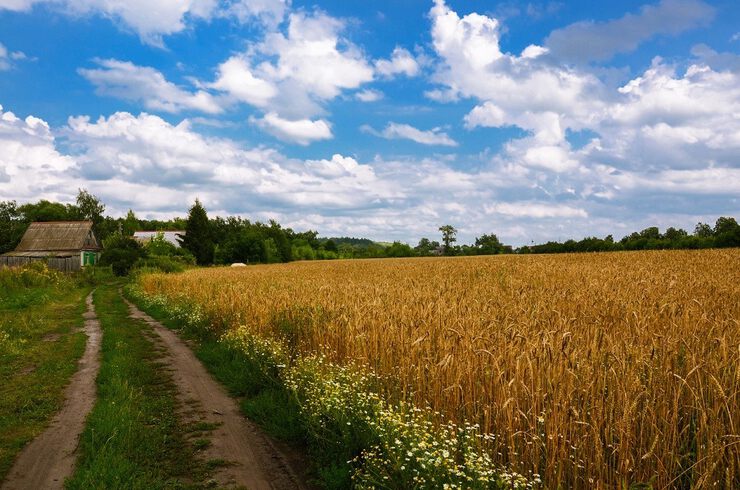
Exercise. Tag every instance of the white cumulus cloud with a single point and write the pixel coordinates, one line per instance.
(153, 19)
(394, 130)
(148, 86)
(300, 131)
(402, 62)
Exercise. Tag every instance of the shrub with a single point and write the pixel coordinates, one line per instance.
(121, 253)
(160, 263)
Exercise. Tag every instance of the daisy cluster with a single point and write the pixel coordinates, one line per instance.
(390, 445)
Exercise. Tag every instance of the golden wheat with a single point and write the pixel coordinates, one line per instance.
(593, 370)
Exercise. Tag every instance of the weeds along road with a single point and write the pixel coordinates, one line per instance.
(253, 461)
(49, 459)
(141, 411)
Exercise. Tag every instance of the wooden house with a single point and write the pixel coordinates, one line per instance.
(64, 245)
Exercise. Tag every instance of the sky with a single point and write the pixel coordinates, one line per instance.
(535, 120)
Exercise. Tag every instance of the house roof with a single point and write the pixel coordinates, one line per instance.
(43, 254)
(55, 236)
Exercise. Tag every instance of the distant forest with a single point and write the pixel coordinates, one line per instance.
(233, 239)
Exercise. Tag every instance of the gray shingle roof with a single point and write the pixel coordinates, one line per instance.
(57, 236)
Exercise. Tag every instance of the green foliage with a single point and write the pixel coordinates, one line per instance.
(158, 246)
(726, 233)
(159, 263)
(198, 235)
(12, 226)
(272, 254)
(489, 245)
(331, 246)
(133, 438)
(303, 251)
(703, 230)
(398, 249)
(121, 252)
(426, 247)
(244, 245)
(130, 224)
(234, 239)
(448, 238)
(29, 278)
(36, 306)
(48, 211)
(90, 208)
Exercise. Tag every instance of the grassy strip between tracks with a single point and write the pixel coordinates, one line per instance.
(133, 438)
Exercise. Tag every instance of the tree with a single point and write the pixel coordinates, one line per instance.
(330, 246)
(12, 226)
(280, 237)
(246, 246)
(651, 233)
(130, 223)
(198, 237)
(703, 230)
(725, 225)
(398, 249)
(674, 234)
(726, 232)
(426, 247)
(448, 237)
(48, 211)
(489, 245)
(90, 208)
(121, 253)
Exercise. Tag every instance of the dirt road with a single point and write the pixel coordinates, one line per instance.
(50, 458)
(255, 462)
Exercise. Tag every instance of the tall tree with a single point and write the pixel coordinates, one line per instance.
(48, 211)
(198, 237)
(426, 247)
(12, 226)
(488, 244)
(703, 230)
(91, 208)
(448, 237)
(130, 223)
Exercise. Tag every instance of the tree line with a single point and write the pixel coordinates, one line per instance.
(221, 241)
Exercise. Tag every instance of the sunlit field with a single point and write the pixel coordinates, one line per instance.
(589, 369)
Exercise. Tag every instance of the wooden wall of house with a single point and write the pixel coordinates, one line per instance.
(64, 264)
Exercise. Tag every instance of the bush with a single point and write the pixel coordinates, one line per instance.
(158, 246)
(160, 263)
(121, 253)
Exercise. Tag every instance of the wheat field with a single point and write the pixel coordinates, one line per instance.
(593, 370)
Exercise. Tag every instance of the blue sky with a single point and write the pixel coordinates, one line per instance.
(531, 120)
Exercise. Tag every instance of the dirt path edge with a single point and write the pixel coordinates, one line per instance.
(255, 461)
(50, 458)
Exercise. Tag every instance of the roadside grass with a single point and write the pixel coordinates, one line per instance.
(39, 350)
(133, 438)
(263, 398)
(335, 414)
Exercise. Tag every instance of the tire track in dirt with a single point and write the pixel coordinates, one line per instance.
(50, 457)
(255, 462)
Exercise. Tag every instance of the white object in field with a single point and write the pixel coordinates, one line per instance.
(238, 264)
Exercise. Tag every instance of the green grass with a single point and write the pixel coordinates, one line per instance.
(263, 399)
(39, 350)
(133, 438)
